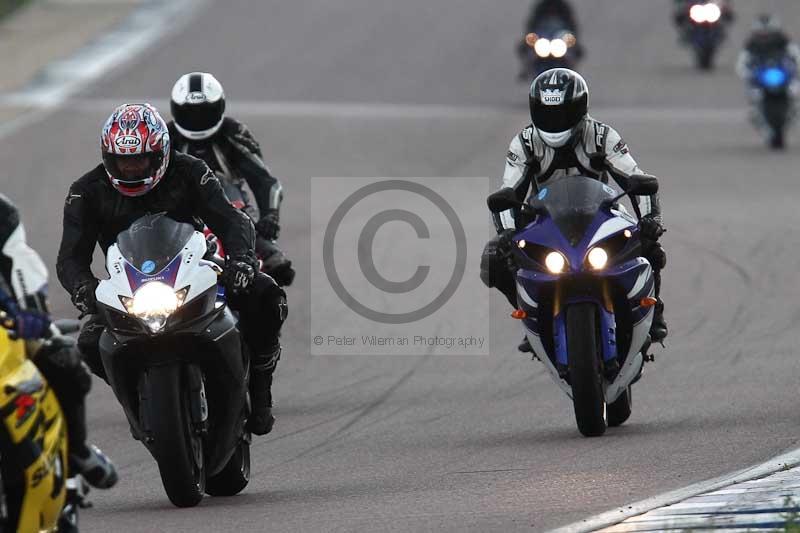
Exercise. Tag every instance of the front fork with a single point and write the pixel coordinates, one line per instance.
(607, 325)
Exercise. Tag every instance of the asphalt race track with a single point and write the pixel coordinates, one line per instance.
(428, 438)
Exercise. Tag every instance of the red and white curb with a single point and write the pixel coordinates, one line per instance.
(757, 498)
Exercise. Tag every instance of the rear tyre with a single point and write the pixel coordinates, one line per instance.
(705, 59)
(177, 448)
(588, 398)
(620, 409)
(234, 476)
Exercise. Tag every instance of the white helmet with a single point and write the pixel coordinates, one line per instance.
(198, 105)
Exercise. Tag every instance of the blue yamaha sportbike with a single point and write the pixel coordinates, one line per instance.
(585, 295)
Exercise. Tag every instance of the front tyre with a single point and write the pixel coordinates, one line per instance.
(235, 475)
(177, 448)
(620, 409)
(585, 377)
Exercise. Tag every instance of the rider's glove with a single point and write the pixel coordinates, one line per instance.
(83, 298)
(268, 226)
(651, 228)
(28, 325)
(505, 241)
(239, 272)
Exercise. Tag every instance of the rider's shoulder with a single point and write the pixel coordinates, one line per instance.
(232, 127)
(598, 136)
(528, 142)
(188, 165)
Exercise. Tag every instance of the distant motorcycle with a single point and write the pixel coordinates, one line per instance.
(703, 28)
(551, 45)
(585, 294)
(771, 82)
(175, 359)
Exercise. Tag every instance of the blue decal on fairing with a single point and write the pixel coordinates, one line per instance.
(148, 267)
(542, 194)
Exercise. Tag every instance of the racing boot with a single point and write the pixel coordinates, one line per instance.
(94, 466)
(260, 421)
(658, 329)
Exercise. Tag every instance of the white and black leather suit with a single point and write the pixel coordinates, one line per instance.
(596, 150)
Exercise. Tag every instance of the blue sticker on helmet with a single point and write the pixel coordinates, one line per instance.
(542, 194)
(148, 267)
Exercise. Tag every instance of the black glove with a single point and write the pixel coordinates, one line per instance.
(83, 298)
(505, 242)
(650, 227)
(268, 225)
(239, 273)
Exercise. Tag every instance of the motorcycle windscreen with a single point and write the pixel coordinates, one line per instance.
(153, 241)
(573, 202)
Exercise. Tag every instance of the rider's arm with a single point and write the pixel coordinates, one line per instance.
(621, 165)
(78, 239)
(793, 51)
(743, 64)
(516, 177)
(28, 274)
(228, 223)
(249, 164)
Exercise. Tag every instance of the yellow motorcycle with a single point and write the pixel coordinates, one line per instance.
(34, 495)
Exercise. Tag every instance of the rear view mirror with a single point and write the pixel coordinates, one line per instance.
(641, 185)
(503, 200)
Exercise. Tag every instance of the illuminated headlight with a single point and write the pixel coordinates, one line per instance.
(154, 302)
(542, 47)
(709, 12)
(598, 258)
(713, 13)
(555, 262)
(558, 48)
(698, 13)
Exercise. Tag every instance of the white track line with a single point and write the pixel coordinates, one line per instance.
(370, 111)
(139, 31)
(615, 516)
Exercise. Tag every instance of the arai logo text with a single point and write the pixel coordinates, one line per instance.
(127, 141)
(195, 98)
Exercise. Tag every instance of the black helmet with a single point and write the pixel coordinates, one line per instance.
(559, 99)
(198, 105)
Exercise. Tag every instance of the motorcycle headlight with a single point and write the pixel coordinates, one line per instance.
(154, 302)
(698, 13)
(555, 262)
(542, 47)
(558, 48)
(598, 258)
(713, 13)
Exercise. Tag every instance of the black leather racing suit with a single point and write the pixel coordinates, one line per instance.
(235, 157)
(94, 212)
(24, 276)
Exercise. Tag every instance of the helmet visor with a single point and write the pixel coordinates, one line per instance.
(558, 118)
(198, 117)
(133, 170)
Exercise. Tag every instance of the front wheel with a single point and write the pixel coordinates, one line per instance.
(705, 58)
(176, 446)
(585, 377)
(235, 475)
(620, 409)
